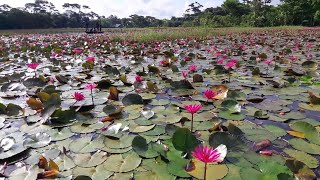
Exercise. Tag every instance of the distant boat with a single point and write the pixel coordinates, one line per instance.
(94, 30)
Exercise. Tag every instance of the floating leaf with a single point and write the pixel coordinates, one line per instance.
(310, 161)
(121, 163)
(184, 140)
(300, 170)
(37, 140)
(90, 160)
(308, 130)
(214, 171)
(156, 169)
(132, 99)
(296, 134)
(86, 145)
(113, 93)
(34, 104)
(302, 145)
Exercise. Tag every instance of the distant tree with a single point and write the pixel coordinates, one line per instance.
(195, 8)
(5, 7)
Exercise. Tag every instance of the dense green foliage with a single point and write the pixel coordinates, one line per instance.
(43, 14)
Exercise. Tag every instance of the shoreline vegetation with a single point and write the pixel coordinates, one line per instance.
(157, 34)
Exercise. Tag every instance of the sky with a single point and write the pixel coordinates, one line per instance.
(125, 8)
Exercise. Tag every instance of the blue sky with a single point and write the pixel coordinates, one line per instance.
(124, 8)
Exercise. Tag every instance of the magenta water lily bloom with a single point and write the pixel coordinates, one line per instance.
(230, 64)
(185, 74)
(267, 62)
(193, 108)
(192, 68)
(33, 65)
(91, 87)
(90, 59)
(293, 58)
(209, 94)
(78, 96)
(78, 51)
(220, 61)
(209, 155)
(139, 78)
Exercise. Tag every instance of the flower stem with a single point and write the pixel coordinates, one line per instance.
(192, 122)
(92, 97)
(74, 103)
(229, 76)
(205, 171)
(35, 73)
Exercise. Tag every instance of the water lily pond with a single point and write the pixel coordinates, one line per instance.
(77, 106)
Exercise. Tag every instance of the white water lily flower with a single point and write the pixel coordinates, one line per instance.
(7, 143)
(222, 149)
(115, 128)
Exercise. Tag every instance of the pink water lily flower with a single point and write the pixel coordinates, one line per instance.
(230, 65)
(218, 54)
(233, 61)
(293, 58)
(90, 59)
(209, 94)
(187, 58)
(192, 67)
(193, 108)
(220, 61)
(139, 78)
(78, 96)
(184, 74)
(77, 51)
(90, 86)
(267, 62)
(33, 65)
(209, 155)
(224, 57)
(163, 62)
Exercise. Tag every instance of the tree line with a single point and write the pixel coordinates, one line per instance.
(258, 13)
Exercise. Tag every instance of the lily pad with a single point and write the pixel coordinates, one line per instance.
(122, 163)
(310, 161)
(90, 160)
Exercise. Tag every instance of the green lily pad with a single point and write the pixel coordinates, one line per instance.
(304, 146)
(184, 140)
(132, 99)
(123, 142)
(160, 102)
(37, 140)
(86, 144)
(231, 116)
(64, 162)
(90, 160)
(122, 163)
(275, 130)
(309, 160)
(155, 169)
(310, 107)
(214, 171)
(95, 173)
(308, 130)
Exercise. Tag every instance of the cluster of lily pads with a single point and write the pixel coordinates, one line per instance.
(77, 106)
